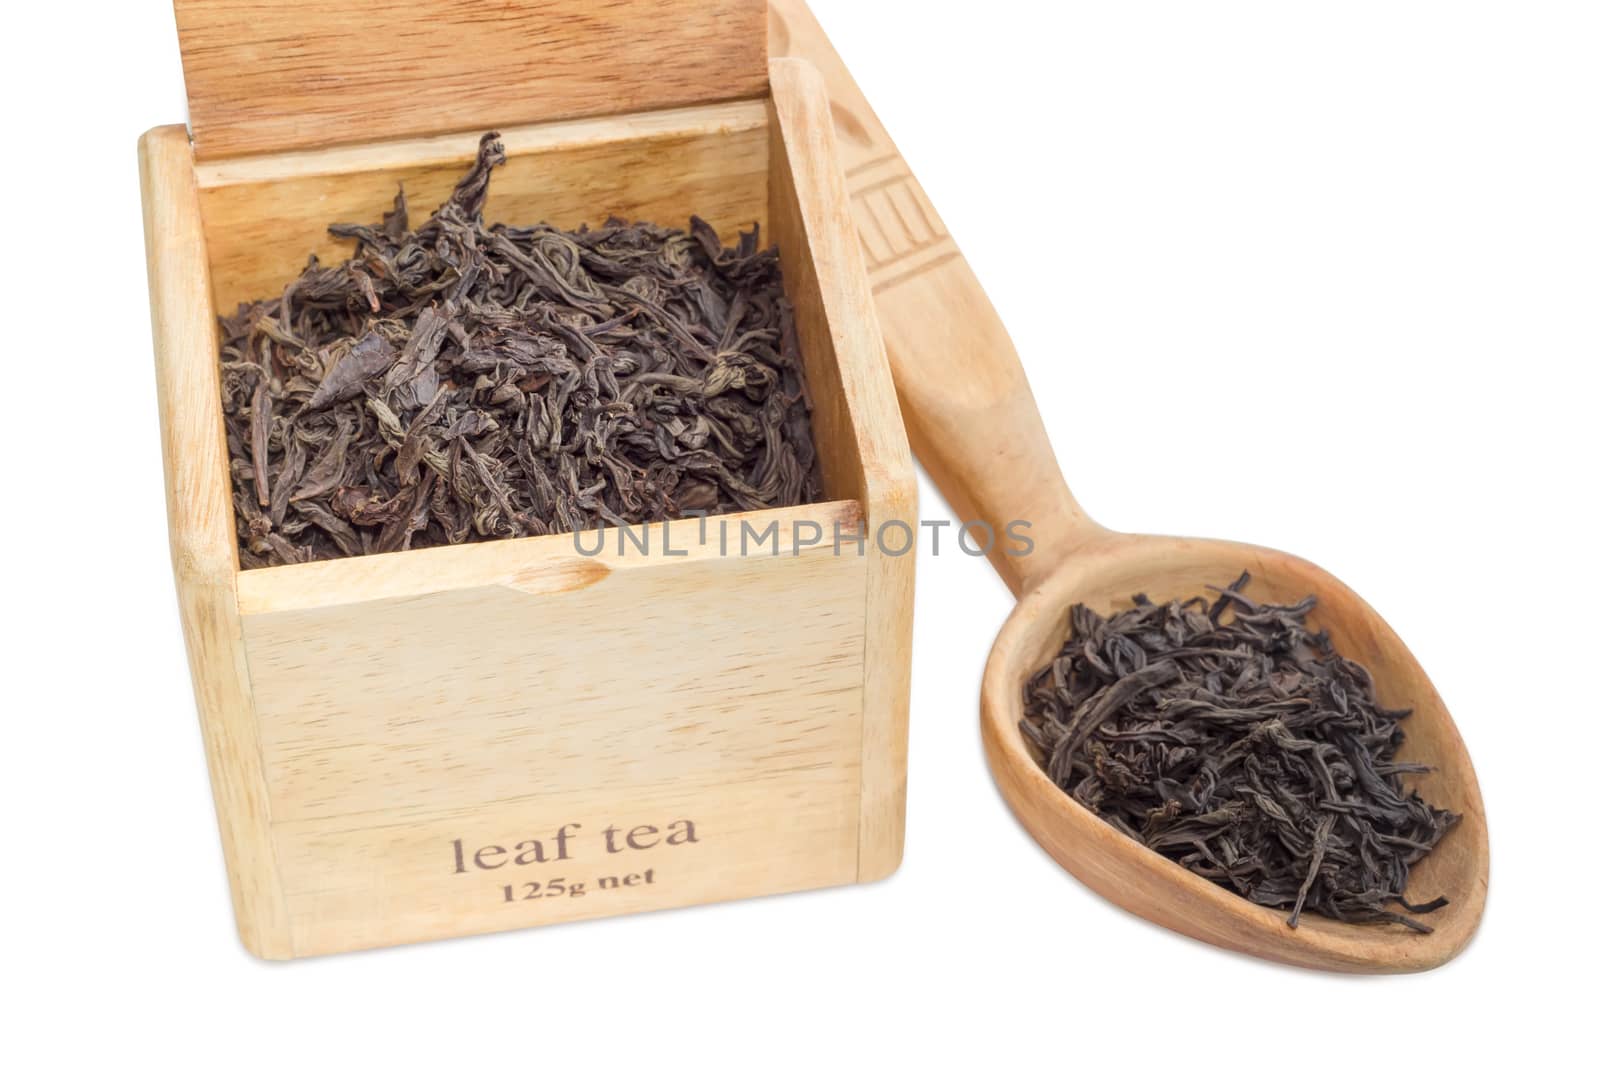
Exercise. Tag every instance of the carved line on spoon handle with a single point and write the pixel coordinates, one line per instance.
(969, 412)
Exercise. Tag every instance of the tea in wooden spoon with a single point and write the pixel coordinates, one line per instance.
(1232, 739)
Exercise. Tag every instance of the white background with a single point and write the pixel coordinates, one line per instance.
(1367, 234)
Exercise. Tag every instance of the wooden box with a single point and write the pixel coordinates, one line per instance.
(458, 740)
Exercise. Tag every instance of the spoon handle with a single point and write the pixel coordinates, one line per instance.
(969, 413)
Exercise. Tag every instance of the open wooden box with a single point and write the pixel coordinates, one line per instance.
(458, 740)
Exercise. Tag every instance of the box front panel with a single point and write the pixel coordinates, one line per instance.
(516, 753)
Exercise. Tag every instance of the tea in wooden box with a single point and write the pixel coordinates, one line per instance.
(493, 735)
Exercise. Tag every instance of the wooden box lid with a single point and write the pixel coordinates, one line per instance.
(280, 75)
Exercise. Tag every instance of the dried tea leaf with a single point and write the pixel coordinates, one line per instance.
(463, 382)
(1244, 748)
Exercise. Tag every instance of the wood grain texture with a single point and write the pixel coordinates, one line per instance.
(494, 693)
(265, 215)
(973, 423)
(966, 419)
(200, 520)
(861, 442)
(293, 75)
(454, 700)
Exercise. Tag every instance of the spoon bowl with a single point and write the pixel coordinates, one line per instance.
(1104, 574)
(973, 423)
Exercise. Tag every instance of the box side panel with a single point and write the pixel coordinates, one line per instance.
(861, 440)
(265, 216)
(693, 724)
(201, 529)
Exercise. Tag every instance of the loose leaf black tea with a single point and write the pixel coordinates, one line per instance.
(465, 382)
(1244, 748)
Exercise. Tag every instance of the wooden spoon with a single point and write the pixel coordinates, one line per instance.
(974, 425)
